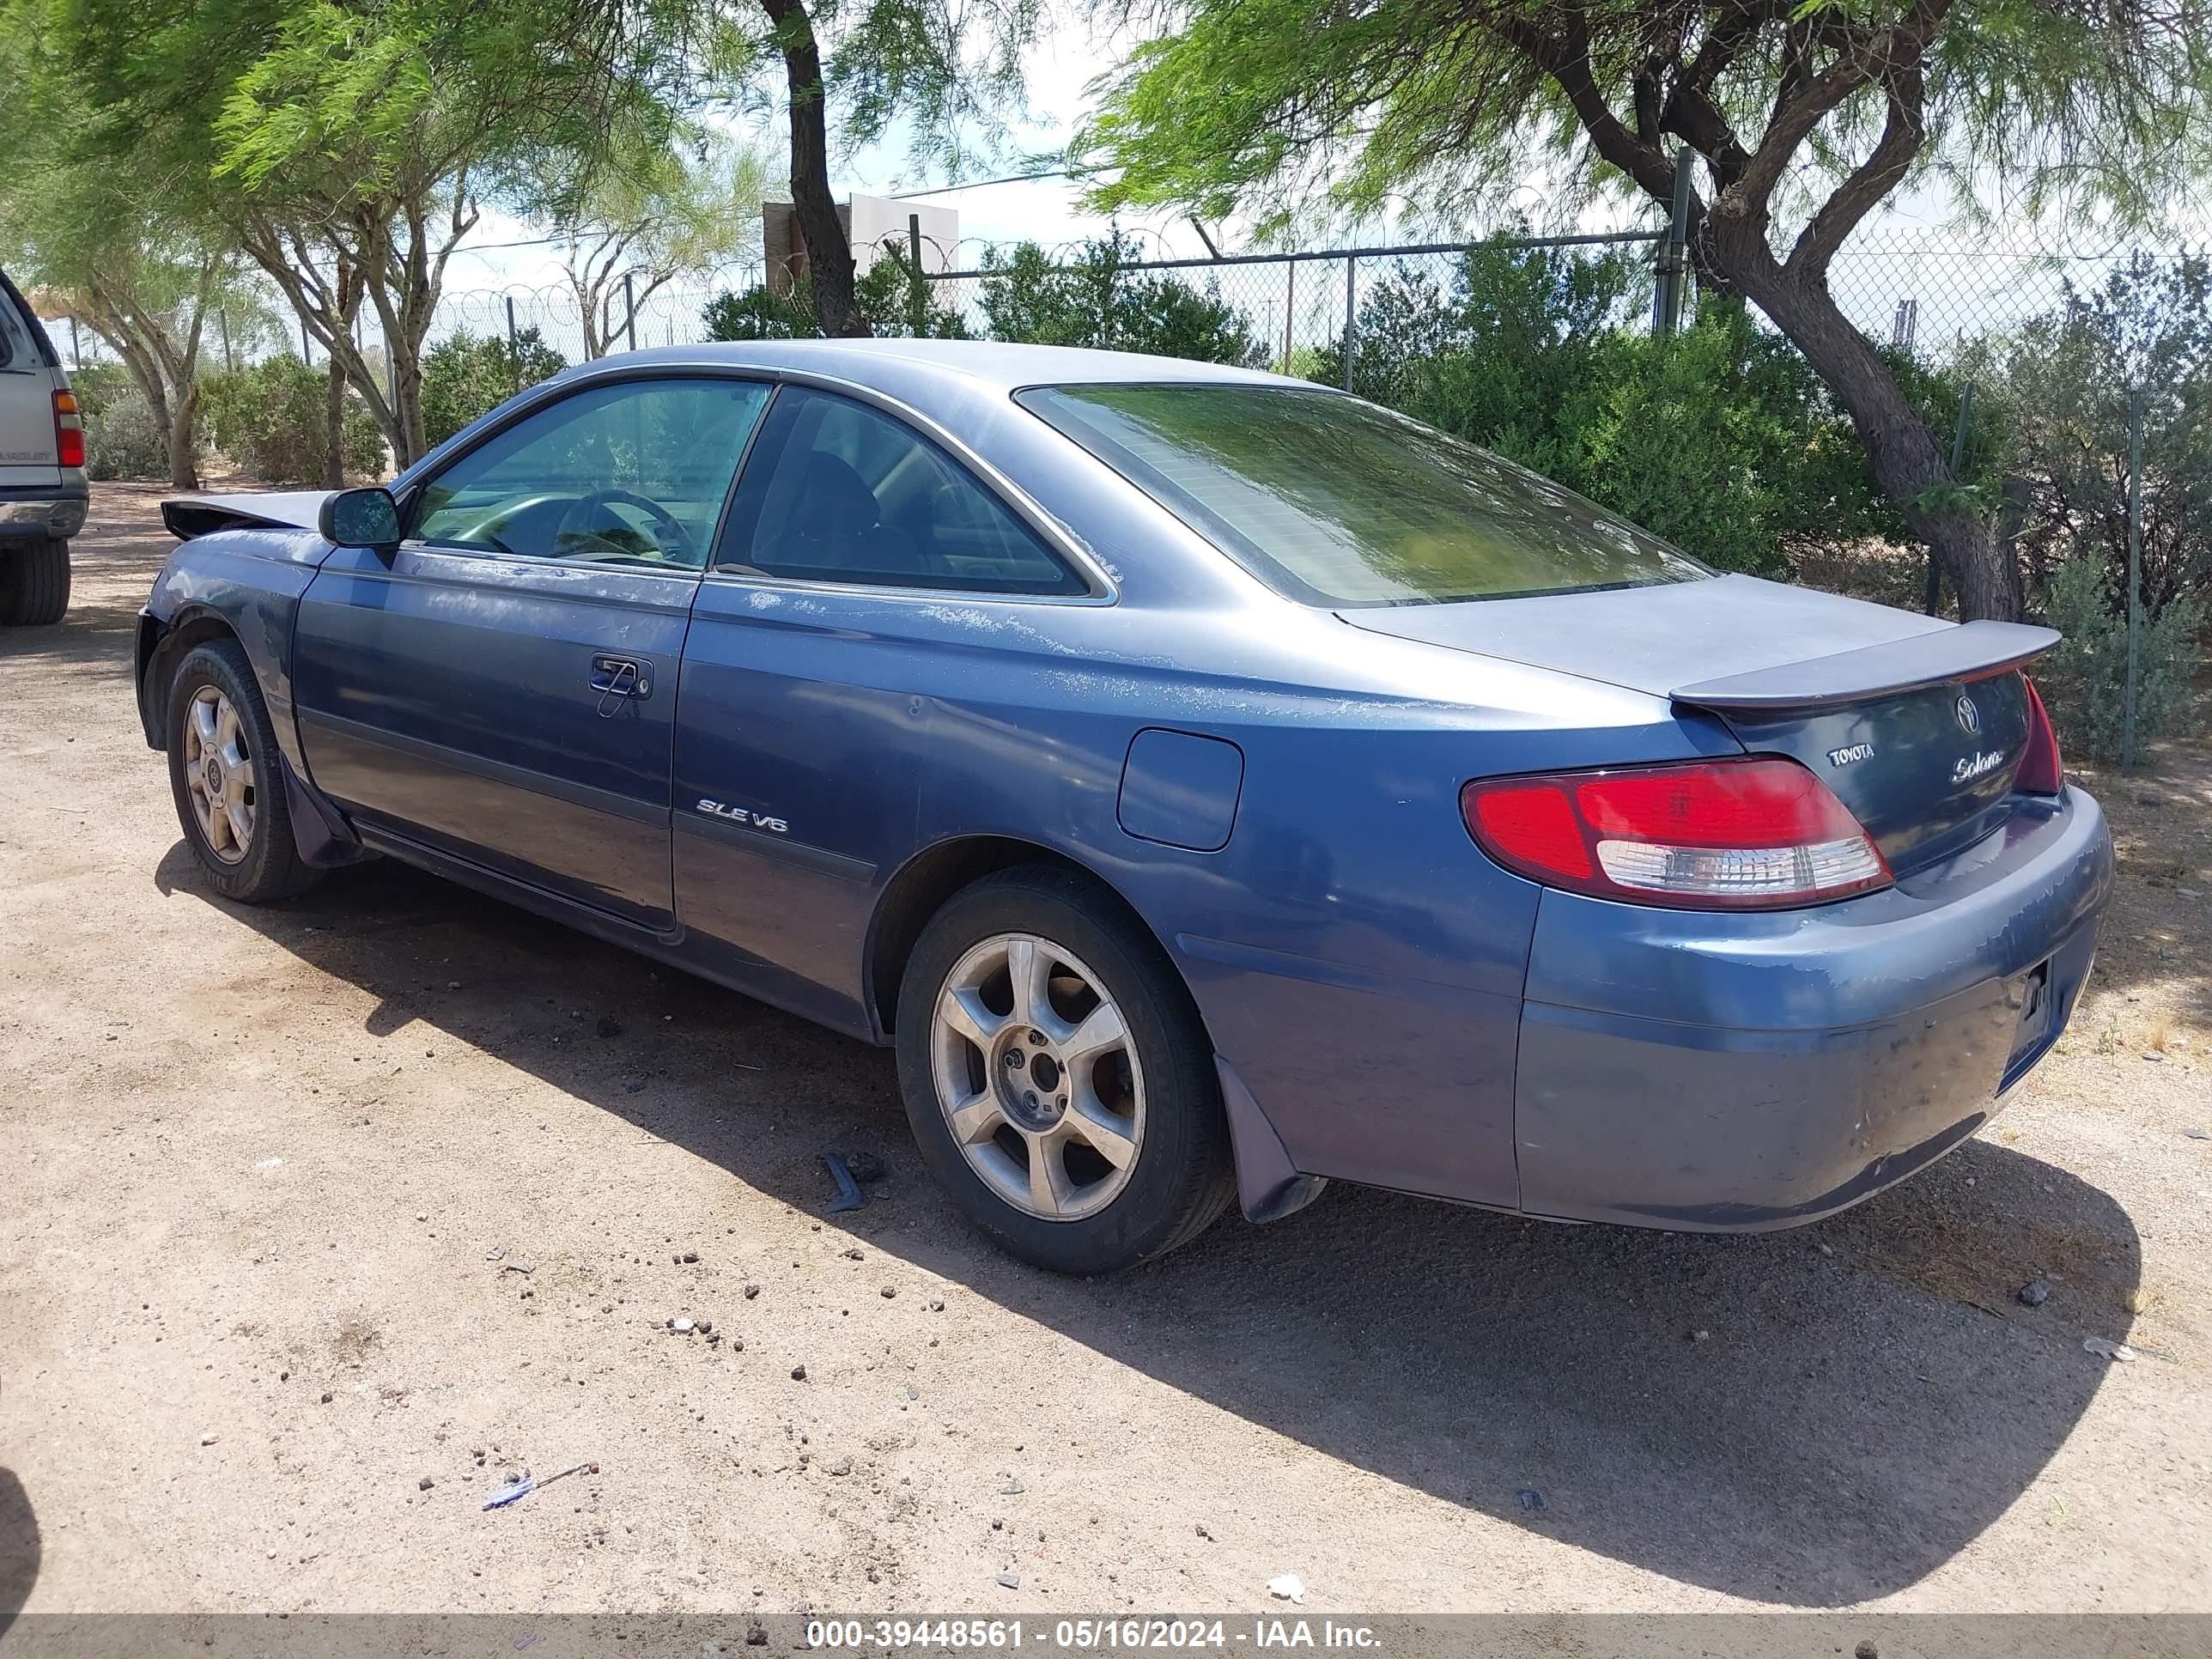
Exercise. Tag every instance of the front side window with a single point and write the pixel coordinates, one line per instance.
(837, 491)
(1337, 502)
(633, 474)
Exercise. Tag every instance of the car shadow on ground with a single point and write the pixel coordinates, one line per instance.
(1810, 1418)
(20, 1548)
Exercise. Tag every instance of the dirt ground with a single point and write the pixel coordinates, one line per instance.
(315, 1221)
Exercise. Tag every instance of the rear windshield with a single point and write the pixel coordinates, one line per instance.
(1337, 502)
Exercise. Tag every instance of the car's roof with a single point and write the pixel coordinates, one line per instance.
(984, 365)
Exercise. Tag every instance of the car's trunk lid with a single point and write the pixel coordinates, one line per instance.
(1916, 724)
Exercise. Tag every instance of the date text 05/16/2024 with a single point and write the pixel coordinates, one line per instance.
(1204, 1636)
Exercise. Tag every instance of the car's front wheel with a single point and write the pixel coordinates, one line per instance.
(226, 775)
(1056, 1075)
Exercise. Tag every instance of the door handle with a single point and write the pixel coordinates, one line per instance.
(620, 679)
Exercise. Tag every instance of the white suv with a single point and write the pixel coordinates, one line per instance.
(42, 488)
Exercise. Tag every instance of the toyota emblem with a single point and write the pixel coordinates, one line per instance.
(1969, 717)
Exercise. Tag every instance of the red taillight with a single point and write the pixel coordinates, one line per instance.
(2039, 772)
(69, 431)
(1707, 835)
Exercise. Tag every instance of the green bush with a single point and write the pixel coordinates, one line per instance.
(1096, 301)
(757, 313)
(897, 308)
(467, 376)
(883, 293)
(2086, 677)
(2060, 389)
(123, 439)
(269, 418)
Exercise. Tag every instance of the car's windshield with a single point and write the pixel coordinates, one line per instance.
(1334, 501)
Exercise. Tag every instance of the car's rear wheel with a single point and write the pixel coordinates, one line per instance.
(1056, 1075)
(227, 777)
(34, 583)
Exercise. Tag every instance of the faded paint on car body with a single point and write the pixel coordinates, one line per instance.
(1393, 1006)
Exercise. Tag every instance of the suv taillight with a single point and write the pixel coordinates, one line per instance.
(2039, 772)
(1725, 835)
(69, 431)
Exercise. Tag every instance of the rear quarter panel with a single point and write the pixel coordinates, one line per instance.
(1358, 963)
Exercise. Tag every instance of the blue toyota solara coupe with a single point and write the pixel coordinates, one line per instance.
(1211, 783)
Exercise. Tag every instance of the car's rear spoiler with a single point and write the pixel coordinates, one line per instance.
(1973, 650)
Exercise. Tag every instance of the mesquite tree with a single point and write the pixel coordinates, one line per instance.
(1801, 118)
(346, 149)
(949, 76)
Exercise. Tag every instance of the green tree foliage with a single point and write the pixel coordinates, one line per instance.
(347, 149)
(268, 419)
(1095, 300)
(107, 245)
(646, 214)
(467, 375)
(1799, 118)
(2062, 386)
(2086, 677)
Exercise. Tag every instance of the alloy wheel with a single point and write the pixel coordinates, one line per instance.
(218, 774)
(1038, 1075)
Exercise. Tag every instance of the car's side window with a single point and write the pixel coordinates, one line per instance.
(838, 491)
(632, 474)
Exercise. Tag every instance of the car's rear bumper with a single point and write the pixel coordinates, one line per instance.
(1715, 1072)
(42, 511)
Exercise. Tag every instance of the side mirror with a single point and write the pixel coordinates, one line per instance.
(360, 518)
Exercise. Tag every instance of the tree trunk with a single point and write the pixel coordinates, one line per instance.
(406, 430)
(334, 390)
(829, 251)
(1908, 457)
(184, 430)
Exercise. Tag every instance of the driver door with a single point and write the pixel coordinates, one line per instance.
(500, 689)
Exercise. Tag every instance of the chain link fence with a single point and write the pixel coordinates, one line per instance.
(1928, 292)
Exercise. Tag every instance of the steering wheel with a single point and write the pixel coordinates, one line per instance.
(571, 522)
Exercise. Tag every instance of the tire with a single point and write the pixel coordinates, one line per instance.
(1024, 1087)
(248, 854)
(34, 583)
